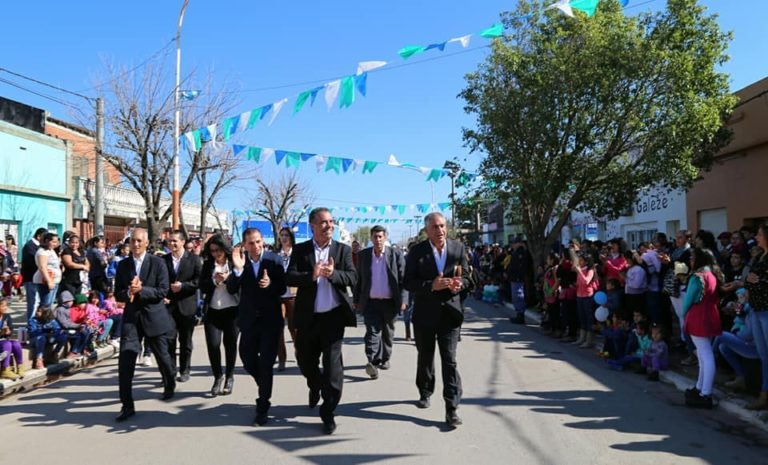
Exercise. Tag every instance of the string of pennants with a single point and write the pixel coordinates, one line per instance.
(324, 163)
(345, 89)
(399, 209)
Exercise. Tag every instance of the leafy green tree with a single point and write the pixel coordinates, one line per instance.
(581, 113)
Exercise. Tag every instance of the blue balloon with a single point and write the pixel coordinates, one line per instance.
(601, 298)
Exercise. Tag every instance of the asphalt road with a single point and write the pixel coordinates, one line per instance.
(527, 400)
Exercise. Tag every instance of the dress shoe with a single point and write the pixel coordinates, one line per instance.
(216, 388)
(423, 402)
(314, 398)
(125, 413)
(452, 419)
(183, 378)
(384, 365)
(517, 320)
(371, 370)
(228, 385)
(329, 426)
(168, 393)
(261, 418)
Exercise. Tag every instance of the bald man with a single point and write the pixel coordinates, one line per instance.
(142, 284)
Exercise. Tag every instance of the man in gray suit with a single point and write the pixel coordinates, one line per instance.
(380, 295)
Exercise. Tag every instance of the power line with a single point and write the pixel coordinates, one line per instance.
(143, 63)
(40, 94)
(42, 83)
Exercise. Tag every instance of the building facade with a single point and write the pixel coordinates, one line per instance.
(729, 195)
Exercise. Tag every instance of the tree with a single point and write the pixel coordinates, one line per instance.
(363, 235)
(282, 201)
(582, 113)
(139, 119)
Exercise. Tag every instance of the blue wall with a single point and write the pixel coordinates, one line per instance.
(33, 181)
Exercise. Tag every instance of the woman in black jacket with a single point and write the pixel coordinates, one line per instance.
(221, 315)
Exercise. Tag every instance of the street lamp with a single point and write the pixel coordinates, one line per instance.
(176, 196)
(453, 171)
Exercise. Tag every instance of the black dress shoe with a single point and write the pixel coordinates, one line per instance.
(452, 419)
(314, 398)
(216, 388)
(125, 413)
(168, 393)
(261, 418)
(423, 402)
(385, 365)
(228, 385)
(183, 378)
(329, 426)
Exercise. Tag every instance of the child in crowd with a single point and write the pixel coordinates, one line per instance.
(637, 344)
(98, 319)
(77, 333)
(615, 335)
(44, 330)
(636, 283)
(614, 292)
(551, 292)
(115, 313)
(11, 347)
(656, 357)
(739, 342)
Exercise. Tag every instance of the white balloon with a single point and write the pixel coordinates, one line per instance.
(601, 314)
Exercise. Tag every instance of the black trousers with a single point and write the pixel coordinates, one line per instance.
(323, 339)
(218, 324)
(447, 340)
(130, 347)
(185, 328)
(379, 329)
(258, 351)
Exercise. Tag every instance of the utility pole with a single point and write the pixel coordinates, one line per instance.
(176, 195)
(98, 219)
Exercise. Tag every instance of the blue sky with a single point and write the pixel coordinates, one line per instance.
(412, 111)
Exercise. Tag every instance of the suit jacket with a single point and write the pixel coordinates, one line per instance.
(300, 275)
(433, 309)
(147, 307)
(188, 275)
(28, 264)
(257, 305)
(395, 263)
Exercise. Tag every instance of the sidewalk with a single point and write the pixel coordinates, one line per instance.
(730, 402)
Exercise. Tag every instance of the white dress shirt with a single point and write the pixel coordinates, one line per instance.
(440, 257)
(138, 261)
(326, 299)
(176, 262)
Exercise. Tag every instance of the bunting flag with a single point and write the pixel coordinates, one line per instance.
(497, 30)
(189, 94)
(331, 92)
(587, 6)
(347, 97)
(365, 66)
(344, 164)
(276, 107)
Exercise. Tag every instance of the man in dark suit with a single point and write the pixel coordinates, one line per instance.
(183, 274)
(322, 270)
(380, 295)
(142, 284)
(435, 275)
(260, 279)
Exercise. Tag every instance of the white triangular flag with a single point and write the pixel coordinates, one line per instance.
(212, 132)
(562, 5)
(276, 107)
(393, 161)
(463, 39)
(425, 170)
(243, 123)
(357, 164)
(320, 160)
(266, 154)
(365, 66)
(190, 136)
(331, 92)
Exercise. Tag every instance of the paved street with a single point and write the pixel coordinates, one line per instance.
(527, 399)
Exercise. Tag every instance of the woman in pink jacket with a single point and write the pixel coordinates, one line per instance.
(586, 285)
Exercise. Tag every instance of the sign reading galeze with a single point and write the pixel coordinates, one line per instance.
(650, 203)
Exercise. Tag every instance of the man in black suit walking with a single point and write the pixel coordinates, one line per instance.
(380, 295)
(183, 274)
(260, 278)
(142, 284)
(434, 273)
(322, 270)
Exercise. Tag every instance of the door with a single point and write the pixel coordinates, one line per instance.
(714, 220)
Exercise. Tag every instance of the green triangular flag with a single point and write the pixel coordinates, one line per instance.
(334, 164)
(369, 166)
(410, 50)
(198, 141)
(434, 175)
(226, 128)
(347, 92)
(401, 209)
(292, 159)
(254, 153)
(255, 116)
(301, 100)
(587, 6)
(497, 30)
